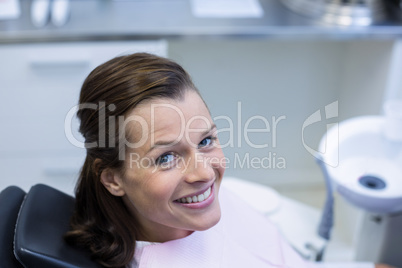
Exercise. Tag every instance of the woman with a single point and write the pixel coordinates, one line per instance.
(131, 190)
(148, 193)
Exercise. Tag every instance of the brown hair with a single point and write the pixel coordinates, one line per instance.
(101, 222)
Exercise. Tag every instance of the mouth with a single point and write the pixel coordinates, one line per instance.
(195, 198)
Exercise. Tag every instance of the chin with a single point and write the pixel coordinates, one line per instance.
(211, 222)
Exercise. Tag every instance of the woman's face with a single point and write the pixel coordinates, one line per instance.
(173, 169)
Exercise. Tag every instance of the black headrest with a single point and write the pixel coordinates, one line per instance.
(43, 220)
(10, 203)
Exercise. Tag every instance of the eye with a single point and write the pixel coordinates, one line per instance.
(206, 142)
(165, 158)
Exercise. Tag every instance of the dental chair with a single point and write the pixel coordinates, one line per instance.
(32, 226)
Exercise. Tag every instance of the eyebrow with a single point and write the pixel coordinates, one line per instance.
(173, 142)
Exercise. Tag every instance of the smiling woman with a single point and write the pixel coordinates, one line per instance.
(149, 191)
(150, 176)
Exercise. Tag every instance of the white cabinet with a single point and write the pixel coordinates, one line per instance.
(39, 85)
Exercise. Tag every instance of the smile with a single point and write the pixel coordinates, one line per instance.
(195, 198)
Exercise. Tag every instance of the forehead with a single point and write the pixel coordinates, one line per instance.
(168, 118)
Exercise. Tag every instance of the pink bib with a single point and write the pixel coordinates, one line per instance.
(242, 238)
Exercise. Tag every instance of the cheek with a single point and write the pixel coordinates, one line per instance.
(159, 186)
(149, 197)
(218, 160)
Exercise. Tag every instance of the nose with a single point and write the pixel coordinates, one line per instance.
(199, 169)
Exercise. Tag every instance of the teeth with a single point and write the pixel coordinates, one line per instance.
(207, 193)
(196, 198)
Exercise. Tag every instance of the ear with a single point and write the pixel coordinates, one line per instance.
(112, 182)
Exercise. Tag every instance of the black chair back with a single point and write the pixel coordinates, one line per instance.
(43, 220)
(10, 203)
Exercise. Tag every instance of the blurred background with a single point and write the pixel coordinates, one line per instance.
(268, 58)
